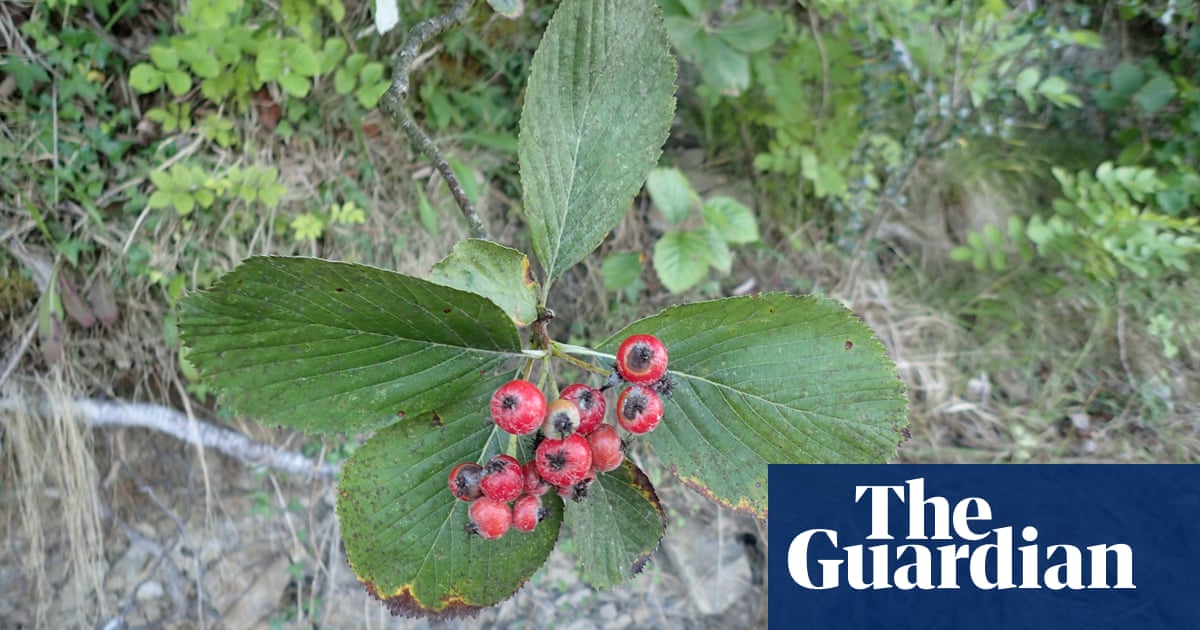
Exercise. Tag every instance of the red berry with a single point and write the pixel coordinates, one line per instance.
(534, 484)
(564, 462)
(608, 451)
(489, 518)
(591, 404)
(642, 359)
(464, 481)
(562, 419)
(578, 490)
(528, 512)
(502, 479)
(518, 407)
(639, 409)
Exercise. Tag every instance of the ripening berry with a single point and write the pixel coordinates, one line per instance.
(518, 407)
(502, 479)
(464, 481)
(564, 462)
(534, 484)
(639, 409)
(489, 518)
(562, 419)
(642, 359)
(527, 512)
(608, 450)
(591, 404)
(578, 490)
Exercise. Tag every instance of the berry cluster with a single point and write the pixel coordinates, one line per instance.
(573, 443)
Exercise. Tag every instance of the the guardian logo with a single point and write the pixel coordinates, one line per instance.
(949, 547)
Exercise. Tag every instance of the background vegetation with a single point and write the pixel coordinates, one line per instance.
(1006, 191)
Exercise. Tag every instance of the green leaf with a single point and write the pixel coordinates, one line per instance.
(354, 63)
(271, 194)
(336, 9)
(1087, 39)
(165, 58)
(269, 62)
(145, 78)
(159, 199)
(719, 256)
(686, 34)
(962, 253)
(326, 346)
(332, 53)
(183, 202)
(179, 83)
(1058, 91)
(620, 270)
(597, 110)
(369, 94)
(303, 60)
(494, 271)
(1126, 79)
(1155, 94)
(723, 68)
(405, 533)
(371, 73)
(466, 179)
(295, 85)
(206, 66)
(511, 9)
(671, 192)
(1024, 85)
(426, 214)
(617, 526)
(774, 379)
(681, 259)
(343, 81)
(732, 220)
(751, 31)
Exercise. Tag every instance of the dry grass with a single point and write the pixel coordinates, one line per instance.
(50, 469)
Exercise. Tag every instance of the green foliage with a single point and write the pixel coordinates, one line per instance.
(1157, 105)
(1103, 227)
(361, 77)
(231, 57)
(309, 226)
(698, 236)
(847, 100)
(186, 187)
(722, 48)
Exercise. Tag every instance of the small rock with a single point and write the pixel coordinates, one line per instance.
(713, 567)
(149, 591)
(620, 623)
(607, 612)
(582, 624)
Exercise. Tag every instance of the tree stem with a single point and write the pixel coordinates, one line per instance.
(393, 104)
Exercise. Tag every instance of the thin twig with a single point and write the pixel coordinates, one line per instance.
(197, 432)
(393, 103)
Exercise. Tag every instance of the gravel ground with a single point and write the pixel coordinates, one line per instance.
(251, 550)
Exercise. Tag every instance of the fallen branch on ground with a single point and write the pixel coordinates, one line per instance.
(196, 432)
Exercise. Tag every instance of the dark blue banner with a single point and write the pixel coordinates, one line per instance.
(984, 546)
